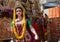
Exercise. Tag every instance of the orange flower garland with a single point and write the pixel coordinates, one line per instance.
(24, 27)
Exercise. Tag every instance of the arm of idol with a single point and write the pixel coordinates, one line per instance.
(12, 26)
(11, 30)
(34, 32)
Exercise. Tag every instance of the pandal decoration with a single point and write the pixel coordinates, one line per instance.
(24, 25)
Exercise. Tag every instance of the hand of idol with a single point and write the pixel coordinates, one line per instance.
(36, 37)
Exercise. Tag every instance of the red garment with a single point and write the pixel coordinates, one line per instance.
(39, 27)
(28, 35)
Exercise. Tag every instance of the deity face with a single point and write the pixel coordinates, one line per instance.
(19, 12)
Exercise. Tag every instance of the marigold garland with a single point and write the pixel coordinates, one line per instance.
(24, 26)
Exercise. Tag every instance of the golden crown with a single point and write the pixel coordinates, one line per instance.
(18, 4)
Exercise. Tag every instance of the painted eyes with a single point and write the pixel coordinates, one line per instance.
(18, 11)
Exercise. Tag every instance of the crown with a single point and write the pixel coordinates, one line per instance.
(18, 4)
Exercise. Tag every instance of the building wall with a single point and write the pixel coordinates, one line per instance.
(54, 14)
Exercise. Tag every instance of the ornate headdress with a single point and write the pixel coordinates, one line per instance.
(18, 4)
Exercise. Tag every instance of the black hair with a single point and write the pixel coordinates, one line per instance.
(26, 16)
(19, 8)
